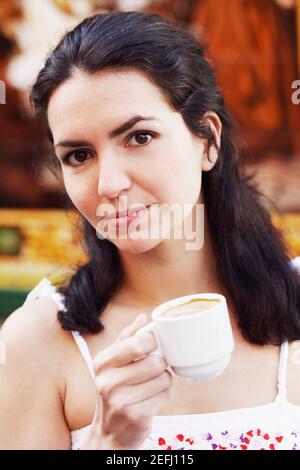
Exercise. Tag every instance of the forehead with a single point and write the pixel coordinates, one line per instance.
(104, 97)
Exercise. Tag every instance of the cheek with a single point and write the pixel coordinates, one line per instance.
(189, 175)
(83, 196)
(176, 178)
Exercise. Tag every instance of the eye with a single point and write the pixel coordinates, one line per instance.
(79, 157)
(142, 138)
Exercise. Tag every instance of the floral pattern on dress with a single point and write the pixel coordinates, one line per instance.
(253, 439)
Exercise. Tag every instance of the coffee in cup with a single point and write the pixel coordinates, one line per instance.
(190, 307)
(193, 334)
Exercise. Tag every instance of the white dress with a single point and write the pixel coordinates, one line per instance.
(273, 426)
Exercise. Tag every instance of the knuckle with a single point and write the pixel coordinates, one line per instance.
(116, 405)
(98, 363)
(136, 347)
(130, 346)
(105, 389)
(166, 379)
(157, 364)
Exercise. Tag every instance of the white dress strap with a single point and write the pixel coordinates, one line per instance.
(284, 353)
(45, 289)
(83, 348)
(295, 263)
(282, 370)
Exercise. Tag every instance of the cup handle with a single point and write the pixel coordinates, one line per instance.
(151, 328)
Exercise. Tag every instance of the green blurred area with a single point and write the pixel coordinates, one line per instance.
(10, 241)
(10, 300)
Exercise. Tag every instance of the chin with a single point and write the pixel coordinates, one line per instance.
(135, 247)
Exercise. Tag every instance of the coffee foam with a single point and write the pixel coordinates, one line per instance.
(191, 307)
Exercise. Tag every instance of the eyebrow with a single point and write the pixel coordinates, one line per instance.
(114, 133)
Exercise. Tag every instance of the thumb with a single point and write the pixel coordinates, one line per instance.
(129, 330)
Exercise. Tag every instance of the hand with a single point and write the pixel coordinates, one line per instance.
(132, 386)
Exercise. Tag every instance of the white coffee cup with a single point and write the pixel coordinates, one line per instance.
(198, 344)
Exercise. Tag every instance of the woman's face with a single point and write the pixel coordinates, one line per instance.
(156, 162)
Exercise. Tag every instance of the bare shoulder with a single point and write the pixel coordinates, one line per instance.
(33, 330)
(33, 378)
(33, 334)
(39, 314)
(293, 373)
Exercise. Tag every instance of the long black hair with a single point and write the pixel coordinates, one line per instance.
(252, 262)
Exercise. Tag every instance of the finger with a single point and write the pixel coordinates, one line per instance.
(124, 352)
(129, 395)
(135, 373)
(141, 371)
(151, 406)
(139, 321)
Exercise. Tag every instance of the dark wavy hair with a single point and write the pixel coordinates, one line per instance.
(252, 262)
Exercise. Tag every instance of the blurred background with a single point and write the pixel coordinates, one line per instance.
(255, 45)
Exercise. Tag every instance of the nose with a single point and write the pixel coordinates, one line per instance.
(113, 179)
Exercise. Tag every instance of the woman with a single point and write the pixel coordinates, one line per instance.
(95, 87)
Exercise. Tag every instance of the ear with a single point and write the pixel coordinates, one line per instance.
(210, 155)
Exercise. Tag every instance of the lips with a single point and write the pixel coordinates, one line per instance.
(127, 213)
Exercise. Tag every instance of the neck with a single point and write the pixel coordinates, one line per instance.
(168, 271)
